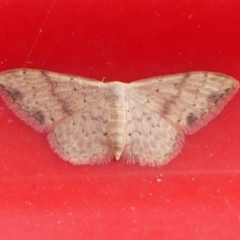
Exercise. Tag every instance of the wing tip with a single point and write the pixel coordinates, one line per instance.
(213, 112)
(24, 116)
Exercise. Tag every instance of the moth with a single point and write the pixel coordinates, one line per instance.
(91, 122)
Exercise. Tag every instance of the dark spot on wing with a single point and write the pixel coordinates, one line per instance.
(66, 108)
(16, 95)
(44, 73)
(191, 118)
(39, 116)
(187, 75)
(214, 98)
(167, 107)
(227, 90)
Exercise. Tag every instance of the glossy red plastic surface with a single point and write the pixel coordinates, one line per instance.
(196, 196)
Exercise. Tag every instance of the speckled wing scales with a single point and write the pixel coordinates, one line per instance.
(83, 137)
(151, 139)
(91, 122)
(189, 100)
(42, 98)
(64, 106)
(163, 109)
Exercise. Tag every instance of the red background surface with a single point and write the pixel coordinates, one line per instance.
(195, 196)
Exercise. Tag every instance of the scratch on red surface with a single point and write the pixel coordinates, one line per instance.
(39, 33)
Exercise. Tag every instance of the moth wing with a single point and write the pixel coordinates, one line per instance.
(83, 138)
(42, 98)
(188, 100)
(151, 139)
